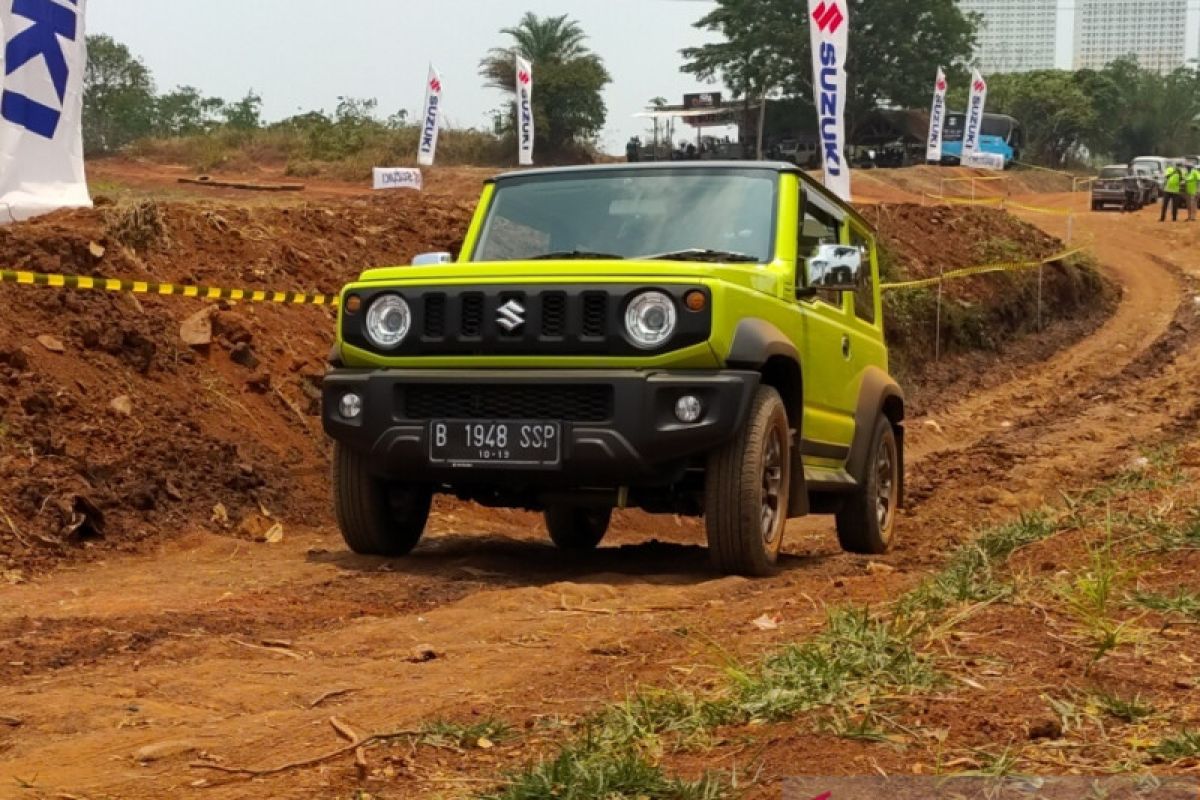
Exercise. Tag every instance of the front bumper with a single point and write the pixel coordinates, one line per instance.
(629, 438)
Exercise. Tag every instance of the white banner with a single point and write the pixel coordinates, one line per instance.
(993, 161)
(829, 27)
(398, 178)
(525, 131)
(41, 109)
(937, 119)
(973, 129)
(431, 122)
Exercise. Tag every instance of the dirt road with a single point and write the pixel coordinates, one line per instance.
(244, 651)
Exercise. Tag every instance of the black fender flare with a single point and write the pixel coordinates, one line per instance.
(755, 341)
(879, 394)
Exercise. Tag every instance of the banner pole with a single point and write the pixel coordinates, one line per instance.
(937, 331)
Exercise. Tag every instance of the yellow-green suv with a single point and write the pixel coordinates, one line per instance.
(700, 339)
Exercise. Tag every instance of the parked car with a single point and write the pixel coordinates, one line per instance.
(704, 339)
(1155, 167)
(1109, 188)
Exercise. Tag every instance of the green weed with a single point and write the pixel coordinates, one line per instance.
(970, 575)
(1090, 598)
(855, 654)
(1183, 604)
(1130, 710)
(1186, 744)
(588, 770)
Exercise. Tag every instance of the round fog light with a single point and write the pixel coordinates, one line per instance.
(351, 406)
(689, 409)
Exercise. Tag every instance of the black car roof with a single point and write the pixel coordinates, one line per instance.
(778, 167)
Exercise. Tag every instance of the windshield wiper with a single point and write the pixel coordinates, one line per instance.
(577, 255)
(704, 255)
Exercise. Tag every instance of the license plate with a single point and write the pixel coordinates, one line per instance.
(473, 443)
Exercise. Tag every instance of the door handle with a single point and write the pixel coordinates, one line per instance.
(845, 347)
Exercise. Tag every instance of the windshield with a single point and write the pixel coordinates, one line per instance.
(1147, 166)
(1113, 172)
(632, 214)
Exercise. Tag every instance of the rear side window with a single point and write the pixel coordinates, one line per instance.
(864, 295)
(817, 228)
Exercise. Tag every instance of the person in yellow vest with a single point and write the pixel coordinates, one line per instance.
(1191, 186)
(1171, 193)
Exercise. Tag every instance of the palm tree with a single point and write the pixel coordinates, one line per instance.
(568, 104)
(539, 40)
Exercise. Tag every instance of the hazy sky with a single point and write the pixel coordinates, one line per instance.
(302, 54)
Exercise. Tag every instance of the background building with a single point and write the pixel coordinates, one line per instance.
(1023, 35)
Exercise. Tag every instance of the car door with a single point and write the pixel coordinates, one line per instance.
(825, 338)
(865, 318)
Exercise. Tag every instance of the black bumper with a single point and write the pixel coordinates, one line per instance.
(619, 426)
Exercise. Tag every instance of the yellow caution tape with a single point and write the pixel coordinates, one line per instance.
(967, 201)
(85, 283)
(1062, 212)
(982, 269)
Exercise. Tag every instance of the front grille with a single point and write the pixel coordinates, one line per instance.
(554, 315)
(527, 320)
(472, 315)
(435, 316)
(595, 314)
(582, 403)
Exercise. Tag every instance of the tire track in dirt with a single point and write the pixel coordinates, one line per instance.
(569, 635)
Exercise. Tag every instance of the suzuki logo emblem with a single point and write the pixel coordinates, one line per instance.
(511, 316)
(829, 17)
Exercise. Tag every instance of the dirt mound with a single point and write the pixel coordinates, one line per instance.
(983, 314)
(111, 425)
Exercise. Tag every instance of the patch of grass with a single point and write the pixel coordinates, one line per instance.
(1185, 744)
(686, 719)
(1184, 604)
(999, 249)
(1090, 597)
(588, 770)
(1173, 538)
(970, 576)
(1130, 710)
(855, 655)
(465, 736)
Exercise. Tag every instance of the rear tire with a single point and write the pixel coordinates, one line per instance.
(747, 491)
(376, 517)
(577, 529)
(868, 518)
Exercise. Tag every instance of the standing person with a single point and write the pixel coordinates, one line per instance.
(1133, 191)
(1171, 196)
(1191, 185)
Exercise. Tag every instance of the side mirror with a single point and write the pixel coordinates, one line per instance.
(432, 259)
(835, 267)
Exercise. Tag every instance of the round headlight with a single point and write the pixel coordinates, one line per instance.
(388, 321)
(650, 319)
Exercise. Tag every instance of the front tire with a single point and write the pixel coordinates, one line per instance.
(868, 518)
(376, 517)
(577, 529)
(747, 491)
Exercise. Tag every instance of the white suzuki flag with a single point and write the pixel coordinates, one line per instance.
(41, 108)
(525, 129)
(829, 27)
(937, 119)
(973, 129)
(431, 122)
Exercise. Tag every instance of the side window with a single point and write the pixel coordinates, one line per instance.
(817, 228)
(864, 295)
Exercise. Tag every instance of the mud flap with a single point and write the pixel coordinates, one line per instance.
(798, 501)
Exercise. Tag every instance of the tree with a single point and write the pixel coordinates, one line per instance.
(896, 47)
(567, 103)
(185, 112)
(245, 114)
(118, 97)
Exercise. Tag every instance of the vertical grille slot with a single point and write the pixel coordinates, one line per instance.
(472, 315)
(554, 315)
(435, 316)
(595, 314)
